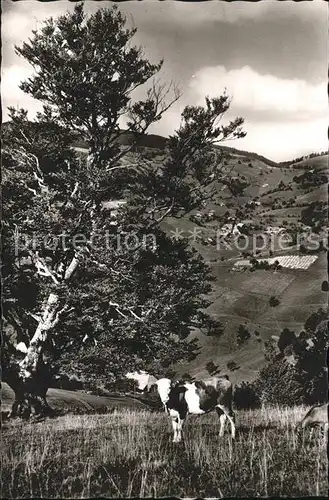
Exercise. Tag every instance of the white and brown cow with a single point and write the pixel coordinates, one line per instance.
(197, 398)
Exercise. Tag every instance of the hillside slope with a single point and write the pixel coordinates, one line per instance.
(76, 400)
(317, 162)
(242, 298)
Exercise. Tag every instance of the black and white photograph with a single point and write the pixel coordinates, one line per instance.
(164, 249)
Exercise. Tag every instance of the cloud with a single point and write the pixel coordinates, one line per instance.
(11, 95)
(16, 23)
(285, 140)
(11, 78)
(261, 97)
(278, 141)
(283, 118)
(186, 14)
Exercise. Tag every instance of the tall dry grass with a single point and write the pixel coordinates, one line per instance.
(127, 454)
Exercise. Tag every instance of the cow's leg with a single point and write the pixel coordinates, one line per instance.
(175, 420)
(177, 423)
(179, 429)
(175, 428)
(231, 418)
(222, 420)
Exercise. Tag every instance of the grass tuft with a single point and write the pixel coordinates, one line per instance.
(130, 454)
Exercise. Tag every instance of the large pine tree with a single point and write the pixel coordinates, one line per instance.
(99, 298)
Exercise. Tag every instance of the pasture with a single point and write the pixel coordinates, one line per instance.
(129, 453)
(243, 298)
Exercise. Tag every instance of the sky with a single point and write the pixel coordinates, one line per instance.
(271, 57)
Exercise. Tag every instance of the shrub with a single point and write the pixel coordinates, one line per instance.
(287, 338)
(273, 301)
(232, 366)
(277, 383)
(187, 377)
(296, 366)
(122, 385)
(211, 368)
(246, 396)
(63, 381)
(243, 335)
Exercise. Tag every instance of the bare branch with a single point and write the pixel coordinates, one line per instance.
(29, 189)
(135, 315)
(116, 307)
(24, 136)
(41, 266)
(35, 316)
(71, 268)
(167, 212)
(59, 314)
(75, 189)
(86, 337)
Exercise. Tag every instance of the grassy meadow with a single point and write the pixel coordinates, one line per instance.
(129, 453)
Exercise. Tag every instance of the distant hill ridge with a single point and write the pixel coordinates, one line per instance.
(159, 142)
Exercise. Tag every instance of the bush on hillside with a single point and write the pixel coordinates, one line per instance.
(273, 301)
(212, 369)
(287, 338)
(187, 377)
(277, 384)
(243, 335)
(296, 366)
(232, 366)
(122, 385)
(246, 396)
(63, 381)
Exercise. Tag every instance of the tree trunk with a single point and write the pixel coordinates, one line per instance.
(30, 399)
(30, 378)
(47, 322)
(30, 392)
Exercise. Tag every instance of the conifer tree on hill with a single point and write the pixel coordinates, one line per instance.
(80, 294)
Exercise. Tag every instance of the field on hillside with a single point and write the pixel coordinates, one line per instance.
(130, 454)
(318, 162)
(242, 298)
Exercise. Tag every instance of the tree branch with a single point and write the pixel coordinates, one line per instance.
(41, 266)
